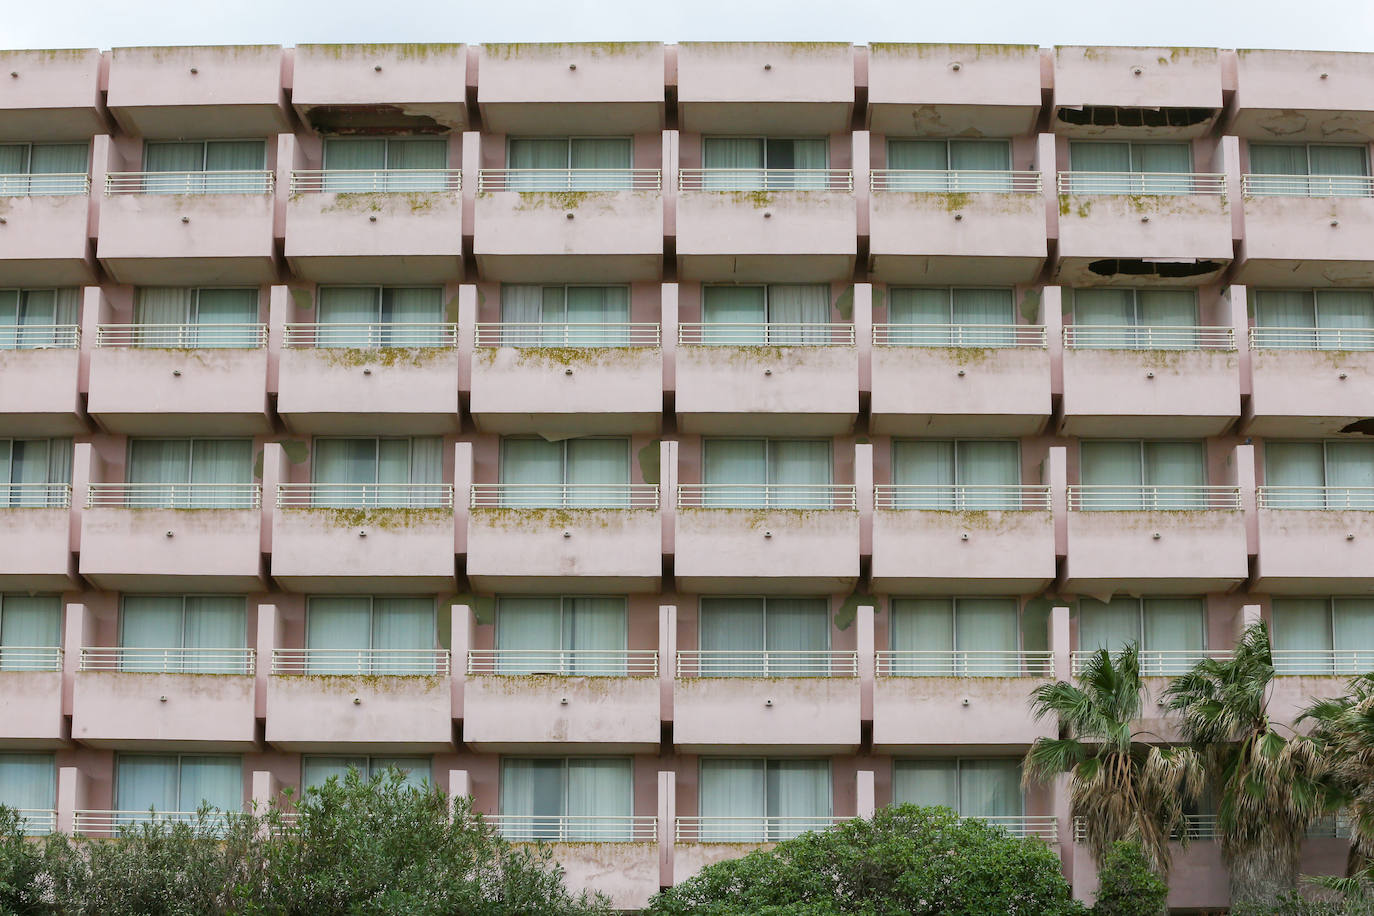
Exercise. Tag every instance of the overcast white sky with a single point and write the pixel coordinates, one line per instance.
(1318, 24)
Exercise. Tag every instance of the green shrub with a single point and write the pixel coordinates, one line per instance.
(1127, 886)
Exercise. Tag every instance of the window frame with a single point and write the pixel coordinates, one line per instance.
(887, 149)
(562, 612)
(958, 762)
(563, 449)
(1307, 155)
(953, 600)
(371, 619)
(190, 450)
(119, 755)
(192, 315)
(1142, 442)
(767, 761)
(767, 139)
(205, 151)
(955, 442)
(768, 454)
(368, 759)
(1135, 292)
(564, 761)
(767, 599)
(1139, 601)
(1133, 145)
(183, 599)
(1325, 467)
(27, 170)
(386, 154)
(568, 144)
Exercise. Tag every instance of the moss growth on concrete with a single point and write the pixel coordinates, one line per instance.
(411, 51)
(571, 357)
(385, 357)
(383, 519)
(517, 50)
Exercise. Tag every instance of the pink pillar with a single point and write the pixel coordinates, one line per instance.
(667, 821)
(467, 334)
(866, 800)
(668, 311)
(863, 317)
(462, 494)
(1052, 317)
(1059, 643)
(459, 784)
(1057, 477)
(1063, 816)
(864, 635)
(1240, 320)
(863, 491)
(1249, 501)
(273, 473)
(861, 142)
(76, 631)
(268, 640)
(72, 791)
(1049, 177)
(667, 659)
(266, 791)
(1248, 616)
(667, 493)
(463, 623)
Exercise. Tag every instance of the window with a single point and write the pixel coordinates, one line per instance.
(30, 633)
(949, 165)
(175, 783)
(970, 787)
(585, 473)
(28, 783)
(42, 168)
(570, 164)
(752, 800)
(956, 475)
(1130, 168)
(372, 473)
(955, 637)
(577, 798)
(366, 317)
(316, 771)
(565, 316)
(1171, 632)
(207, 319)
(1318, 475)
(537, 630)
(35, 473)
(39, 319)
(758, 163)
(200, 634)
(206, 167)
(1309, 170)
(752, 473)
(191, 473)
(746, 316)
(1135, 319)
(764, 637)
(1323, 635)
(951, 318)
(367, 635)
(1323, 319)
(385, 164)
(1126, 474)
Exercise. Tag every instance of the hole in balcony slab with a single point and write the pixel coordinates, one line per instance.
(1364, 427)
(1164, 270)
(1117, 116)
(372, 119)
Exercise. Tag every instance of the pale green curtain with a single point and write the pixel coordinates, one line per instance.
(316, 771)
(1115, 467)
(348, 316)
(793, 305)
(603, 313)
(393, 468)
(1344, 167)
(411, 316)
(734, 627)
(1111, 626)
(215, 622)
(163, 312)
(733, 800)
(734, 315)
(1352, 630)
(601, 164)
(1173, 472)
(1165, 167)
(983, 318)
(1112, 309)
(928, 464)
(354, 164)
(14, 179)
(219, 307)
(532, 625)
(40, 462)
(598, 473)
(1302, 626)
(930, 157)
(798, 469)
(794, 158)
(601, 789)
(527, 307)
(1112, 160)
(175, 157)
(1295, 464)
(335, 624)
(234, 156)
(921, 307)
(973, 160)
(986, 625)
(349, 466)
(532, 796)
(990, 788)
(732, 163)
(983, 464)
(923, 625)
(9, 313)
(795, 625)
(426, 468)
(1167, 308)
(33, 622)
(151, 622)
(57, 159)
(798, 793)
(535, 468)
(213, 781)
(1278, 159)
(28, 782)
(1173, 625)
(403, 625)
(740, 468)
(928, 783)
(538, 165)
(226, 463)
(597, 625)
(1293, 309)
(165, 462)
(416, 164)
(1344, 309)
(415, 771)
(1350, 475)
(145, 783)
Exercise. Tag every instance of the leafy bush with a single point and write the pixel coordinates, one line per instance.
(1298, 905)
(1127, 886)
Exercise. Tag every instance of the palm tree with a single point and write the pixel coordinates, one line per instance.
(1268, 785)
(1123, 787)
(1343, 729)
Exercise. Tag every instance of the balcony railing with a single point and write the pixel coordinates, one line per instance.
(39, 337)
(219, 182)
(961, 663)
(30, 658)
(366, 662)
(35, 495)
(1312, 338)
(766, 496)
(1207, 827)
(765, 180)
(575, 828)
(1153, 662)
(565, 662)
(1335, 498)
(1137, 337)
(536, 335)
(365, 496)
(749, 829)
(174, 496)
(1148, 184)
(366, 181)
(37, 821)
(169, 661)
(1307, 185)
(954, 181)
(51, 184)
(978, 336)
(1106, 498)
(563, 496)
(371, 335)
(492, 180)
(765, 334)
(961, 497)
(105, 823)
(183, 336)
(767, 663)
(1343, 662)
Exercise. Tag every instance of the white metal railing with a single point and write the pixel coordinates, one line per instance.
(1143, 183)
(1195, 827)
(1342, 662)
(39, 337)
(183, 336)
(575, 828)
(37, 821)
(961, 663)
(766, 496)
(1312, 338)
(961, 497)
(563, 496)
(361, 661)
(168, 661)
(365, 495)
(1307, 185)
(956, 181)
(30, 658)
(35, 495)
(364, 181)
(50, 184)
(491, 180)
(534, 335)
(1104, 498)
(371, 335)
(765, 180)
(765, 334)
(1039, 826)
(1153, 662)
(767, 663)
(566, 662)
(989, 336)
(1359, 498)
(749, 829)
(107, 823)
(195, 182)
(174, 496)
(1138, 337)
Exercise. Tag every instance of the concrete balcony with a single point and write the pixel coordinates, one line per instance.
(1142, 229)
(573, 225)
(366, 379)
(703, 841)
(951, 228)
(392, 701)
(1305, 385)
(1304, 95)
(35, 538)
(765, 87)
(564, 87)
(185, 380)
(376, 226)
(173, 537)
(1304, 674)
(165, 699)
(519, 701)
(766, 702)
(964, 540)
(554, 539)
(955, 380)
(31, 697)
(375, 538)
(615, 856)
(1315, 540)
(769, 379)
(420, 88)
(49, 402)
(1306, 231)
(948, 89)
(1180, 381)
(55, 95)
(548, 378)
(1168, 93)
(45, 230)
(796, 540)
(1155, 540)
(221, 91)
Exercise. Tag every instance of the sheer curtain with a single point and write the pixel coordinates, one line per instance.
(393, 467)
(793, 625)
(411, 316)
(790, 306)
(402, 625)
(175, 157)
(348, 316)
(923, 625)
(316, 771)
(996, 465)
(414, 770)
(151, 622)
(610, 159)
(920, 307)
(734, 628)
(984, 317)
(732, 163)
(347, 466)
(604, 313)
(973, 160)
(220, 307)
(1110, 626)
(603, 467)
(523, 305)
(416, 164)
(1343, 309)
(1344, 166)
(532, 796)
(924, 463)
(929, 783)
(598, 626)
(31, 621)
(1293, 309)
(227, 464)
(1115, 469)
(1166, 167)
(799, 793)
(426, 467)
(1350, 475)
(1303, 626)
(734, 315)
(799, 469)
(143, 783)
(1111, 160)
(740, 466)
(1173, 625)
(215, 622)
(1281, 159)
(803, 162)
(354, 164)
(343, 626)
(990, 788)
(1174, 472)
(234, 156)
(1112, 309)
(9, 308)
(1352, 630)
(213, 781)
(530, 625)
(1295, 464)
(1167, 308)
(921, 156)
(538, 165)
(34, 461)
(733, 800)
(534, 468)
(28, 782)
(163, 311)
(600, 788)
(986, 625)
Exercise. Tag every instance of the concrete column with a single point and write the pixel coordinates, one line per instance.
(72, 792)
(668, 322)
(268, 639)
(860, 143)
(864, 794)
(266, 791)
(1248, 616)
(667, 659)
(1057, 477)
(1059, 643)
(462, 494)
(864, 634)
(667, 825)
(863, 329)
(1239, 318)
(1063, 816)
(463, 624)
(1230, 165)
(278, 314)
(1047, 162)
(76, 627)
(863, 491)
(1052, 317)
(459, 786)
(472, 164)
(1244, 459)
(467, 334)
(286, 160)
(667, 497)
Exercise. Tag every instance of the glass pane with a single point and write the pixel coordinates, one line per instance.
(346, 472)
(601, 164)
(598, 472)
(183, 160)
(990, 788)
(927, 466)
(795, 631)
(532, 472)
(930, 157)
(316, 771)
(214, 781)
(1302, 635)
(924, 625)
(989, 475)
(1174, 627)
(1114, 471)
(411, 316)
(1111, 316)
(28, 782)
(734, 315)
(403, 631)
(1174, 472)
(144, 783)
(215, 623)
(732, 638)
(416, 165)
(987, 628)
(1110, 626)
(415, 770)
(543, 165)
(735, 472)
(338, 633)
(600, 800)
(596, 629)
(734, 163)
(798, 796)
(354, 164)
(348, 317)
(531, 630)
(532, 799)
(733, 801)
(929, 783)
(31, 622)
(219, 313)
(225, 157)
